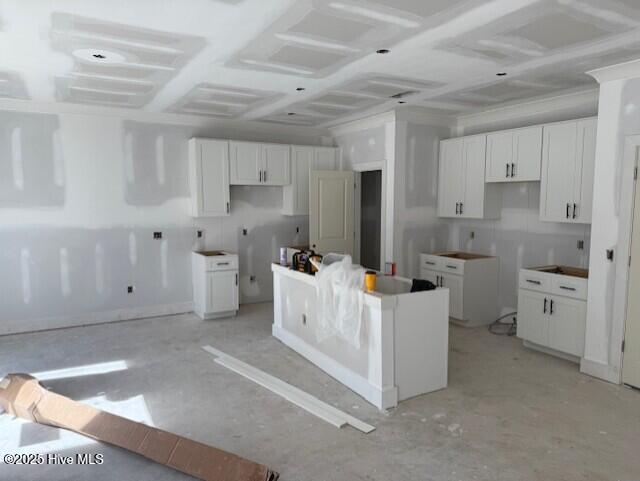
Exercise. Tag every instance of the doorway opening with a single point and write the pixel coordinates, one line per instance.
(370, 218)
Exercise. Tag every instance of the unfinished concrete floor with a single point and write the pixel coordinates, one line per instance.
(509, 413)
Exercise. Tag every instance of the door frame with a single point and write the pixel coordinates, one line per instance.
(359, 169)
(628, 195)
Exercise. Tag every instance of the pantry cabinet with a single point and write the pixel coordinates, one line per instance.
(514, 155)
(209, 177)
(568, 161)
(304, 159)
(254, 163)
(462, 191)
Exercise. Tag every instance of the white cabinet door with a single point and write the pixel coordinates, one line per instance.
(558, 172)
(325, 158)
(527, 153)
(276, 164)
(567, 318)
(209, 177)
(472, 203)
(583, 191)
(222, 290)
(246, 163)
(499, 156)
(450, 177)
(456, 301)
(295, 197)
(331, 211)
(533, 317)
(429, 275)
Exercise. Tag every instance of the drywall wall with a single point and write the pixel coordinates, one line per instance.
(520, 239)
(417, 228)
(81, 196)
(616, 156)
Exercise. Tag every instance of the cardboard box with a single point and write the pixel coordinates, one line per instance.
(23, 396)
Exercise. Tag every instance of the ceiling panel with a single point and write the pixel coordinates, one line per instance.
(331, 27)
(222, 100)
(115, 63)
(422, 8)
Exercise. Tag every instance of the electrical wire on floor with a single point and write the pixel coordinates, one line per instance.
(500, 328)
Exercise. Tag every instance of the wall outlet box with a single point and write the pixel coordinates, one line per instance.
(157, 235)
(129, 289)
(199, 234)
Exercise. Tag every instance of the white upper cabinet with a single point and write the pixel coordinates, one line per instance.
(276, 164)
(209, 177)
(462, 191)
(514, 155)
(304, 159)
(254, 163)
(568, 161)
(245, 163)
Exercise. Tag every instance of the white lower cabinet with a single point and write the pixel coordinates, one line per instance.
(472, 280)
(552, 311)
(215, 284)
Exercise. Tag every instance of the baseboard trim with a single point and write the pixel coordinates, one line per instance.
(600, 370)
(60, 322)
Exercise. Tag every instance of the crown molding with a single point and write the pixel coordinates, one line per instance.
(621, 71)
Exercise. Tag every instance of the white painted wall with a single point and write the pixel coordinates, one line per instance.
(82, 193)
(619, 118)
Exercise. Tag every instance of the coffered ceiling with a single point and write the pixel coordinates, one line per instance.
(308, 62)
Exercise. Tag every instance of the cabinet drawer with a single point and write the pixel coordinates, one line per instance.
(569, 287)
(453, 266)
(535, 281)
(222, 264)
(431, 262)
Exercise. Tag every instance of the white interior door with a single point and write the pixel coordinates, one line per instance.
(631, 359)
(331, 211)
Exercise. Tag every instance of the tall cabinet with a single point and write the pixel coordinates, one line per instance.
(462, 189)
(568, 161)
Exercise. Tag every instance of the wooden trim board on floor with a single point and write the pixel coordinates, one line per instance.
(291, 393)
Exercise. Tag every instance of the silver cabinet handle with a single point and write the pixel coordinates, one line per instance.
(264, 176)
(544, 309)
(441, 281)
(457, 207)
(551, 307)
(567, 288)
(568, 207)
(227, 207)
(507, 171)
(575, 206)
(451, 267)
(430, 263)
(461, 205)
(236, 279)
(534, 282)
(513, 170)
(223, 263)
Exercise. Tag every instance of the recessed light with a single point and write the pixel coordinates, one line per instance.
(383, 51)
(501, 74)
(402, 102)
(99, 56)
(300, 89)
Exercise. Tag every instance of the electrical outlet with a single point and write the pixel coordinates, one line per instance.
(580, 245)
(252, 278)
(199, 234)
(297, 230)
(129, 289)
(157, 235)
(244, 231)
(610, 255)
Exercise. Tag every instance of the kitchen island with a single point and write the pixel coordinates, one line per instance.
(403, 340)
